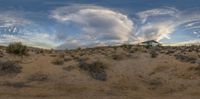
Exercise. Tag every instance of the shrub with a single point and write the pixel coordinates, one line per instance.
(188, 57)
(95, 69)
(154, 83)
(126, 46)
(154, 54)
(69, 68)
(67, 58)
(9, 67)
(38, 77)
(14, 84)
(58, 62)
(117, 57)
(17, 48)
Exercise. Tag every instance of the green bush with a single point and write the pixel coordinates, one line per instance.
(17, 48)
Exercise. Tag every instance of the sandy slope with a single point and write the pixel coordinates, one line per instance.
(135, 77)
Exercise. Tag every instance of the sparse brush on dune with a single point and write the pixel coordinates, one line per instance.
(96, 69)
(14, 84)
(17, 48)
(154, 54)
(8, 67)
(187, 57)
(39, 76)
(58, 61)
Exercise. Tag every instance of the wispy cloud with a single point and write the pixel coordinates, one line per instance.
(11, 18)
(15, 27)
(89, 25)
(95, 23)
(165, 11)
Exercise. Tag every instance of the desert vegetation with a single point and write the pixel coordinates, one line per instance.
(39, 76)
(17, 48)
(120, 72)
(95, 69)
(8, 67)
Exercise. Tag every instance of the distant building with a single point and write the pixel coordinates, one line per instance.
(151, 43)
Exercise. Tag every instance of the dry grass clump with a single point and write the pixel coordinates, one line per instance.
(14, 84)
(154, 54)
(61, 55)
(126, 47)
(9, 67)
(1, 53)
(17, 48)
(58, 61)
(38, 77)
(69, 68)
(139, 48)
(170, 52)
(67, 58)
(117, 56)
(158, 70)
(153, 83)
(121, 56)
(187, 57)
(95, 69)
(197, 68)
(40, 51)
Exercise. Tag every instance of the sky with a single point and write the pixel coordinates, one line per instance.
(67, 24)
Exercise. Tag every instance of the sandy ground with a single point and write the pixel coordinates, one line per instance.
(137, 76)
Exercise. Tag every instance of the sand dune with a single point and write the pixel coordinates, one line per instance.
(122, 72)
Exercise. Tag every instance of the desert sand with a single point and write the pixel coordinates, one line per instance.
(121, 72)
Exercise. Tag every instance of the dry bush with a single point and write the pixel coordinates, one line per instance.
(40, 51)
(69, 68)
(158, 70)
(187, 57)
(38, 77)
(67, 58)
(14, 84)
(197, 68)
(9, 67)
(154, 54)
(139, 48)
(17, 48)
(1, 53)
(126, 46)
(58, 61)
(96, 69)
(62, 55)
(153, 83)
(170, 52)
(117, 56)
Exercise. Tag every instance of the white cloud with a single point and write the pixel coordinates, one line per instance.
(155, 31)
(154, 26)
(106, 27)
(195, 41)
(166, 11)
(95, 23)
(160, 23)
(10, 19)
(42, 40)
(14, 27)
(88, 26)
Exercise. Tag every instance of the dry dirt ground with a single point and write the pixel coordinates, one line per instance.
(129, 72)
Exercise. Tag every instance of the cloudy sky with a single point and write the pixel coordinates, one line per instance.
(69, 24)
